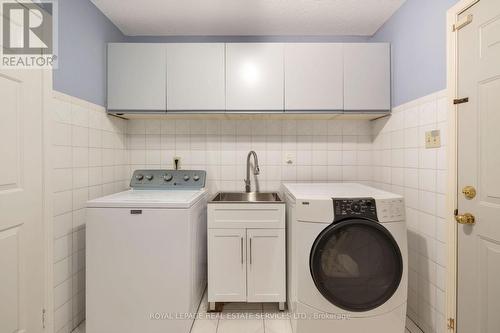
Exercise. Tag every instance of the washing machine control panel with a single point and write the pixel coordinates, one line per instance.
(355, 207)
(168, 179)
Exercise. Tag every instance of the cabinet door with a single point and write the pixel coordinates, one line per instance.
(254, 76)
(227, 265)
(314, 76)
(137, 77)
(266, 265)
(195, 79)
(367, 76)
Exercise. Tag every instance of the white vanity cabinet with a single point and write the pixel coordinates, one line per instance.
(137, 77)
(246, 253)
(195, 77)
(367, 77)
(314, 76)
(254, 76)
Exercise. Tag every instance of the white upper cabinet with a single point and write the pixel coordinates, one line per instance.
(314, 76)
(195, 76)
(249, 77)
(367, 76)
(137, 77)
(254, 76)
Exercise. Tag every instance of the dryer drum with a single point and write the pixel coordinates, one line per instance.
(356, 264)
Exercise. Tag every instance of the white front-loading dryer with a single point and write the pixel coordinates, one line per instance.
(350, 251)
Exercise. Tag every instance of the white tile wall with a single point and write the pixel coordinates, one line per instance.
(94, 155)
(388, 153)
(89, 159)
(320, 150)
(402, 164)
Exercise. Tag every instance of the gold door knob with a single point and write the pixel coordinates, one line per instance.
(469, 192)
(466, 218)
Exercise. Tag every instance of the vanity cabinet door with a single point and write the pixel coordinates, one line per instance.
(227, 265)
(266, 265)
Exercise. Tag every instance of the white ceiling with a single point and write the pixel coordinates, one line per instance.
(248, 17)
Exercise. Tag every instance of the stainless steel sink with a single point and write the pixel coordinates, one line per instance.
(243, 197)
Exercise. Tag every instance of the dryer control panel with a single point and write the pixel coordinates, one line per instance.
(168, 179)
(355, 207)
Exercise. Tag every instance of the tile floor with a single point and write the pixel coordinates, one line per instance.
(245, 318)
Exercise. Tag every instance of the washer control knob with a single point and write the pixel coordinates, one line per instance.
(149, 177)
(196, 178)
(139, 176)
(356, 207)
(168, 177)
(186, 177)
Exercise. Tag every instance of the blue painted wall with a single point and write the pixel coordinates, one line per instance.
(417, 33)
(83, 33)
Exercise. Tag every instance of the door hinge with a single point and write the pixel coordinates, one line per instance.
(460, 24)
(451, 324)
(44, 312)
(460, 100)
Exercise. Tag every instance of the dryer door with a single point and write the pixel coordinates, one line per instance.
(356, 264)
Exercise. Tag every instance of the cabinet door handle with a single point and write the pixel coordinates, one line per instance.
(250, 250)
(241, 249)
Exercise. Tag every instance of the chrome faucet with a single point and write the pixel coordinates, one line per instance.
(256, 170)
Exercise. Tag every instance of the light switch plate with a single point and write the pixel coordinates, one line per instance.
(433, 139)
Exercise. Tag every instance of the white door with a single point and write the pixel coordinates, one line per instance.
(227, 265)
(367, 76)
(266, 265)
(254, 76)
(22, 265)
(314, 76)
(478, 166)
(137, 77)
(195, 76)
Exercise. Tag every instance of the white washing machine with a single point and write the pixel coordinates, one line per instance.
(146, 254)
(347, 258)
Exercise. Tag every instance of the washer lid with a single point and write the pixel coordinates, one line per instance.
(149, 199)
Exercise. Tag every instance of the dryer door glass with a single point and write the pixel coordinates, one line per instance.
(356, 264)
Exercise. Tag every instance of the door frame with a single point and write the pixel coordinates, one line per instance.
(452, 188)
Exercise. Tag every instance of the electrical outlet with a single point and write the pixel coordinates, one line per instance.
(433, 139)
(177, 163)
